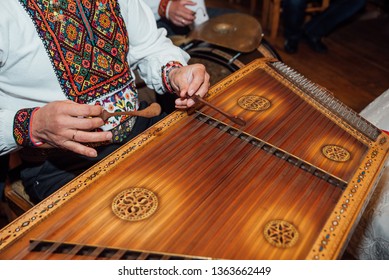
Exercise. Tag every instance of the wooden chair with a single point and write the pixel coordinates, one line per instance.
(271, 13)
(14, 193)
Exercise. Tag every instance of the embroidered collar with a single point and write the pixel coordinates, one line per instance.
(87, 43)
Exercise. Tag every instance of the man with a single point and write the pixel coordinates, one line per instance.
(61, 63)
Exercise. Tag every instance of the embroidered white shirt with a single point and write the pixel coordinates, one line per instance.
(27, 78)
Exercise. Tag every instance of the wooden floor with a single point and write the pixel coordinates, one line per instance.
(356, 68)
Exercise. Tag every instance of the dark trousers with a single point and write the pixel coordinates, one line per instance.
(322, 23)
(43, 178)
(4, 161)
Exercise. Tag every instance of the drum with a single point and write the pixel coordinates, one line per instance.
(220, 62)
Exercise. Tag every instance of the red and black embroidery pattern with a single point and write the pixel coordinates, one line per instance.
(21, 128)
(165, 70)
(87, 45)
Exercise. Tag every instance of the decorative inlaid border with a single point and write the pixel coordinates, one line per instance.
(347, 212)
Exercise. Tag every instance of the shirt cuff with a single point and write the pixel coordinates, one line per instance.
(167, 9)
(22, 127)
(162, 8)
(165, 70)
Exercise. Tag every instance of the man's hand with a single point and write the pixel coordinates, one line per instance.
(66, 125)
(179, 14)
(187, 81)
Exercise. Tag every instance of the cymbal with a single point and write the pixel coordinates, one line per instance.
(236, 31)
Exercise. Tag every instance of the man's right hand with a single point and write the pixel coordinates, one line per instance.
(66, 125)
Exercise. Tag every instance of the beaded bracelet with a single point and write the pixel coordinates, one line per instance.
(165, 74)
(162, 8)
(22, 127)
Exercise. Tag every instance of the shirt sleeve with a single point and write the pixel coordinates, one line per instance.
(7, 143)
(150, 49)
(25, 78)
(153, 4)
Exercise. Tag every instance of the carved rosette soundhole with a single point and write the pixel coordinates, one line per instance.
(336, 153)
(281, 234)
(254, 103)
(135, 204)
